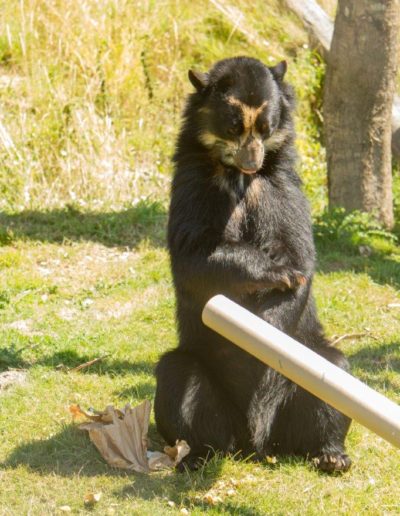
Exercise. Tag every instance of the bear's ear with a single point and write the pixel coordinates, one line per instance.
(199, 80)
(278, 71)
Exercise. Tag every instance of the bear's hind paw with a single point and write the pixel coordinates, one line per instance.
(332, 463)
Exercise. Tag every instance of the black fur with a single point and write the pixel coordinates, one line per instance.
(246, 234)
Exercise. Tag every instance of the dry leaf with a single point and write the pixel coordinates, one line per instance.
(65, 508)
(104, 416)
(271, 460)
(222, 488)
(212, 498)
(121, 438)
(91, 498)
(158, 460)
(177, 452)
(75, 411)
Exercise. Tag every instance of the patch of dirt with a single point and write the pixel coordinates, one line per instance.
(82, 266)
(23, 326)
(11, 378)
(107, 309)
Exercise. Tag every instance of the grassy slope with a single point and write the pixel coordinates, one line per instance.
(90, 101)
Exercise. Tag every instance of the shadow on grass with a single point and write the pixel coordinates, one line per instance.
(372, 363)
(145, 221)
(355, 242)
(381, 267)
(69, 453)
(12, 357)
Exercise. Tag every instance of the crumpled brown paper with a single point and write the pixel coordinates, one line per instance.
(121, 438)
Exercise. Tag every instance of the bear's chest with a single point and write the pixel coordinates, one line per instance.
(251, 215)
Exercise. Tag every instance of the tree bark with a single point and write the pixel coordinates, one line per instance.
(359, 89)
(320, 29)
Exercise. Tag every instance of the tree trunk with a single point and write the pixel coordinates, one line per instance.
(359, 90)
(320, 29)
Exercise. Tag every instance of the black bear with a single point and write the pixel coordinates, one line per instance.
(239, 225)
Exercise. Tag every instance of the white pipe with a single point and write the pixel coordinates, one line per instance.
(304, 367)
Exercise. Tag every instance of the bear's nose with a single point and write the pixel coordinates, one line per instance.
(250, 165)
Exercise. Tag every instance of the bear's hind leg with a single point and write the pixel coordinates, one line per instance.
(307, 426)
(190, 405)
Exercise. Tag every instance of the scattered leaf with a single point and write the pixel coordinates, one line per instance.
(212, 498)
(92, 498)
(75, 411)
(121, 438)
(177, 452)
(221, 489)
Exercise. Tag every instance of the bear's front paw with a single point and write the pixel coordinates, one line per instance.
(292, 280)
(332, 462)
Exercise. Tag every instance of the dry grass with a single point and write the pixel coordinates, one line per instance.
(91, 92)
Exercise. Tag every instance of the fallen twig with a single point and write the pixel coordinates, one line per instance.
(349, 336)
(88, 364)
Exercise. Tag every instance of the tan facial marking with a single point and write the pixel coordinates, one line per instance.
(208, 139)
(249, 113)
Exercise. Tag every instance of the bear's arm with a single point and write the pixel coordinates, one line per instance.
(295, 249)
(203, 259)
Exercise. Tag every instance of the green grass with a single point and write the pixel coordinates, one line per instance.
(88, 297)
(91, 94)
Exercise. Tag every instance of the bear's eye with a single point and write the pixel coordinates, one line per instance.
(264, 129)
(235, 128)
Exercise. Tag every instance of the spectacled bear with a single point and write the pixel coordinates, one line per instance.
(239, 225)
